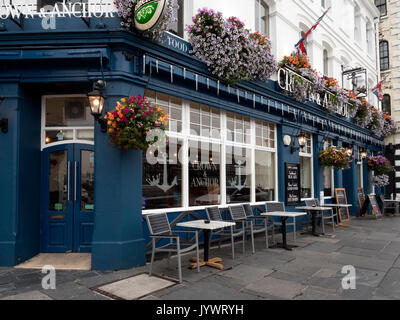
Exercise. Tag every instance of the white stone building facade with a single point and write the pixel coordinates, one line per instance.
(389, 39)
(348, 35)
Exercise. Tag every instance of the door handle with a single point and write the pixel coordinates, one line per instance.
(75, 175)
(68, 180)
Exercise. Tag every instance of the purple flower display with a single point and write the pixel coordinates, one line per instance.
(381, 181)
(229, 50)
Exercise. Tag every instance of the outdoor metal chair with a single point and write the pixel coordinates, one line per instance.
(323, 215)
(280, 207)
(160, 229)
(238, 215)
(260, 223)
(214, 214)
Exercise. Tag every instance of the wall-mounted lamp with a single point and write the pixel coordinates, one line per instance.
(97, 101)
(364, 155)
(4, 121)
(349, 151)
(302, 140)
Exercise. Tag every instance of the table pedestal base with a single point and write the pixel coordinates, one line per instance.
(213, 263)
(283, 246)
(315, 234)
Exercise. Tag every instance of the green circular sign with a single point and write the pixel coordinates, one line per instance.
(148, 14)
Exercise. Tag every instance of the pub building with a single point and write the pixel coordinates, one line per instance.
(63, 188)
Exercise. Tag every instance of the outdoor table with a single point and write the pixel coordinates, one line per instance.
(314, 211)
(284, 216)
(207, 227)
(337, 206)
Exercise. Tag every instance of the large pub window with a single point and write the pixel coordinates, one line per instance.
(382, 6)
(328, 175)
(213, 158)
(306, 169)
(384, 55)
(177, 27)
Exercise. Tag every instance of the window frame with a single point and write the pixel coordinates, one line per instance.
(309, 155)
(389, 101)
(384, 54)
(382, 4)
(185, 136)
(332, 172)
(262, 11)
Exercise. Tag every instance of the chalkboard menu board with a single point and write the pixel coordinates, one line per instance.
(292, 184)
(341, 198)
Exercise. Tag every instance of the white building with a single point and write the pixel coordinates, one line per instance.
(346, 37)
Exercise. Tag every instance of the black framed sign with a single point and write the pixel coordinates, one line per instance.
(341, 198)
(292, 184)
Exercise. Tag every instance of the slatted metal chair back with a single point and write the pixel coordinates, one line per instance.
(158, 224)
(275, 207)
(248, 210)
(237, 213)
(213, 214)
(311, 203)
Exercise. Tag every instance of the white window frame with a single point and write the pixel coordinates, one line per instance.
(326, 144)
(43, 129)
(310, 156)
(185, 136)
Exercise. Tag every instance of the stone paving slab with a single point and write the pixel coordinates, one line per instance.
(31, 295)
(135, 287)
(275, 287)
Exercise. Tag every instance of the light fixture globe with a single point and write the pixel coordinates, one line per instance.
(364, 155)
(97, 101)
(302, 140)
(349, 151)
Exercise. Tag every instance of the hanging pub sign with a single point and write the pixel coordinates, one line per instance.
(292, 184)
(149, 13)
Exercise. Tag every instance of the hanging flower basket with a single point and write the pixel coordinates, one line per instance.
(131, 122)
(229, 50)
(126, 11)
(336, 158)
(380, 165)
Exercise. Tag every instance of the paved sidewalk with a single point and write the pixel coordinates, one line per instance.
(312, 271)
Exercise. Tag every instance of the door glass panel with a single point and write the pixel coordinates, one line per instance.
(58, 183)
(87, 180)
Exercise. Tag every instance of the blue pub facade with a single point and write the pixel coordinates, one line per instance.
(63, 188)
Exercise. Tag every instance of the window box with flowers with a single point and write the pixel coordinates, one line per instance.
(335, 157)
(130, 124)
